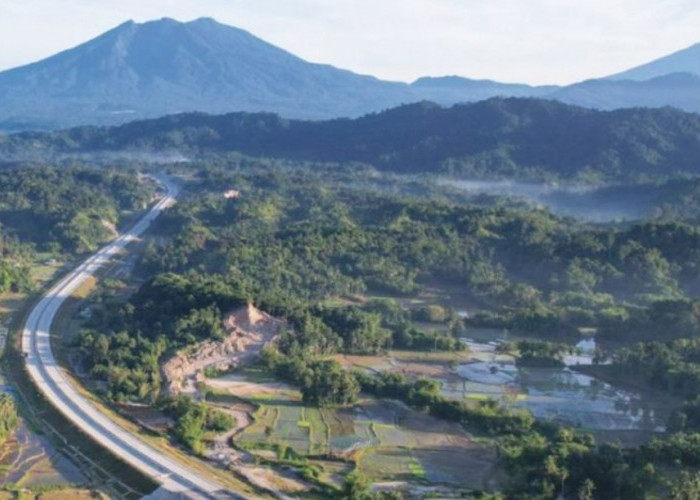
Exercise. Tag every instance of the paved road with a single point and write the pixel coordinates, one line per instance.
(48, 377)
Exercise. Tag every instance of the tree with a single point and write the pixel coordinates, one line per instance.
(687, 487)
(327, 383)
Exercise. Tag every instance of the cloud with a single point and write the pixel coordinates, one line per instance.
(538, 41)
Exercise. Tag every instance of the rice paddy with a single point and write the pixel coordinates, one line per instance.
(386, 440)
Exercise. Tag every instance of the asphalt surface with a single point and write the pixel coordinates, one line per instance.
(49, 378)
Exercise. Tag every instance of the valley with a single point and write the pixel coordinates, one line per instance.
(438, 360)
(365, 290)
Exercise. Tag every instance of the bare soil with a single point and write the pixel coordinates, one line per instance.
(248, 331)
(241, 387)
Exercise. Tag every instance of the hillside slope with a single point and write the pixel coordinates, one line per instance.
(499, 137)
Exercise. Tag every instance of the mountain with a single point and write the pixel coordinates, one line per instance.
(673, 80)
(683, 61)
(138, 71)
(448, 90)
(162, 67)
(514, 138)
(679, 90)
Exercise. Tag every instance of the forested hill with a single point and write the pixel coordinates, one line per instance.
(498, 137)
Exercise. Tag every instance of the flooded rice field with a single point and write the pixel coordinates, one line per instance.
(28, 460)
(559, 393)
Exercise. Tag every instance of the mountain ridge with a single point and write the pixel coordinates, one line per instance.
(144, 70)
(686, 60)
(495, 138)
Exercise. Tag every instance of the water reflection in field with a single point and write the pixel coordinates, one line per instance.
(559, 394)
(30, 461)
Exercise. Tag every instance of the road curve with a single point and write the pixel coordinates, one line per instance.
(48, 377)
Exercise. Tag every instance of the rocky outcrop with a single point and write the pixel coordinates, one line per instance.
(248, 331)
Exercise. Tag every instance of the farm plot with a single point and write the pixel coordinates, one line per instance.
(420, 447)
(387, 440)
(292, 429)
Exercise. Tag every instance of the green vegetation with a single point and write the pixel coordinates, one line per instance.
(538, 353)
(311, 252)
(424, 394)
(51, 210)
(123, 344)
(673, 366)
(67, 209)
(292, 241)
(568, 465)
(325, 383)
(193, 420)
(356, 487)
(497, 137)
(8, 416)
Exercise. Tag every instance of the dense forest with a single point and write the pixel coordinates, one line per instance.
(293, 237)
(327, 241)
(60, 211)
(67, 209)
(293, 241)
(290, 244)
(513, 138)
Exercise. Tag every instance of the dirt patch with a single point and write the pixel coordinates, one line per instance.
(274, 480)
(72, 494)
(147, 416)
(413, 370)
(248, 331)
(371, 363)
(266, 454)
(110, 226)
(239, 386)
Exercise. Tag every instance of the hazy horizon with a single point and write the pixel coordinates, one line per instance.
(538, 43)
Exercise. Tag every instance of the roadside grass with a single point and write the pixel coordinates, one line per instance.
(416, 469)
(11, 302)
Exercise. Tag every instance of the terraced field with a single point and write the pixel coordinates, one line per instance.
(387, 441)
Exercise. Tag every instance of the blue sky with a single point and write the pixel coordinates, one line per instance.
(531, 41)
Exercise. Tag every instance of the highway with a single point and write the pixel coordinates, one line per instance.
(174, 477)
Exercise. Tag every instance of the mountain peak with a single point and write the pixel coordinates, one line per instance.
(148, 69)
(165, 66)
(205, 21)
